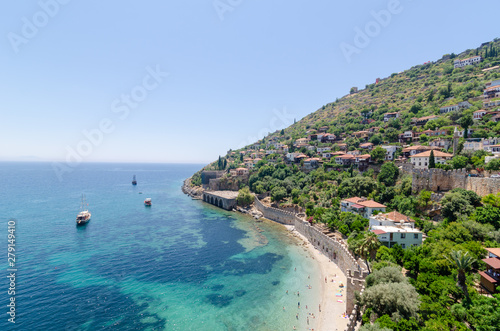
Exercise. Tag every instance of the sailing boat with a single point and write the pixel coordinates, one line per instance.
(134, 181)
(84, 216)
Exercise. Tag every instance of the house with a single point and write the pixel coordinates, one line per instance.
(491, 103)
(323, 149)
(355, 152)
(367, 146)
(346, 159)
(441, 143)
(414, 150)
(327, 137)
(491, 92)
(478, 114)
(490, 278)
(467, 62)
(363, 161)
(493, 83)
(488, 143)
(421, 160)
(495, 149)
(361, 134)
(433, 133)
(326, 155)
(395, 228)
(311, 163)
(459, 106)
(390, 150)
(423, 120)
(239, 172)
(389, 116)
(361, 206)
(473, 144)
(342, 147)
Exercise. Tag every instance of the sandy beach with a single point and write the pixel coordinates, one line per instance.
(330, 317)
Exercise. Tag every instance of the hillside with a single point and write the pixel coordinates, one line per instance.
(350, 167)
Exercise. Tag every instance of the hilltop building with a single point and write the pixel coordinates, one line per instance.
(421, 160)
(467, 62)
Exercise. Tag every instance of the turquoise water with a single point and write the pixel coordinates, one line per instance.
(178, 265)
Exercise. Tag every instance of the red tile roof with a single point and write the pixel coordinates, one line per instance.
(495, 251)
(436, 154)
(493, 262)
(372, 204)
(379, 231)
(396, 217)
(488, 277)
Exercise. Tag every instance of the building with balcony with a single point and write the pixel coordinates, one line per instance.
(490, 278)
(361, 206)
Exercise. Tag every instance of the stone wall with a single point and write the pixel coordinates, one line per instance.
(335, 249)
(446, 180)
(275, 214)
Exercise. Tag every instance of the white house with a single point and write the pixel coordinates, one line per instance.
(389, 152)
(478, 114)
(459, 106)
(323, 149)
(421, 160)
(389, 116)
(361, 206)
(392, 235)
(467, 62)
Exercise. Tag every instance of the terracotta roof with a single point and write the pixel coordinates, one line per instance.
(364, 156)
(338, 153)
(366, 145)
(480, 111)
(495, 251)
(426, 118)
(488, 277)
(357, 206)
(371, 204)
(436, 154)
(353, 199)
(492, 262)
(396, 217)
(378, 231)
(241, 169)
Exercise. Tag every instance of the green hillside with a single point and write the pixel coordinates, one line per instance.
(302, 167)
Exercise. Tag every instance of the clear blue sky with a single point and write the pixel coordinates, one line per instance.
(233, 72)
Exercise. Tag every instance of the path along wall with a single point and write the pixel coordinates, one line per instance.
(336, 250)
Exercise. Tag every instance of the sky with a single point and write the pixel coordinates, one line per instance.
(184, 81)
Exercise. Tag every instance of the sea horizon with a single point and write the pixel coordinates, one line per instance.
(180, 264)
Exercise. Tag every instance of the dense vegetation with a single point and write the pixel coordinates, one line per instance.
(436, 282)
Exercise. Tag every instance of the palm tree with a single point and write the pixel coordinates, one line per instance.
(368, 247)
(462, 261)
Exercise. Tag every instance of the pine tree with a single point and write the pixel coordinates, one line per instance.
(432, 161)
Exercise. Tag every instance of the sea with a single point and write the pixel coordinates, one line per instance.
(181, 264)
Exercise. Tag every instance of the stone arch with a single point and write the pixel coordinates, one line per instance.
(212, 200)
(220, 203)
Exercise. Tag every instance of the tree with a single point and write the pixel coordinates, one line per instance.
(432, 160)
(373, 327)
(378, 154)
(465, 122)
(397, 301)
(368, 247)
(416, 108)
(386, 275)
(459, 162)
(388, 174)
(244, 197)
(278, 193)
(462, 262)
(493, 165)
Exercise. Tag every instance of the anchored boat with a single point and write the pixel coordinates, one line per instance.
(84, 216)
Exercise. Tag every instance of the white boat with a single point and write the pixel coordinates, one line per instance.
(84, 216)
(147, 202)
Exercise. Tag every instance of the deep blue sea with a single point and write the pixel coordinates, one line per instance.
(180, 264)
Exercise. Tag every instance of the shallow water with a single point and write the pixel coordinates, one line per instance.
(178, 265)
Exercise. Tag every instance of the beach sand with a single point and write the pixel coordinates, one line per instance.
(330, 317)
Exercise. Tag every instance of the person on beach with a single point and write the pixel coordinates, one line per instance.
(297, 316)
(326, 281)
(320, 307)
(298, 304)
(298, 293)
(286, 291)
(283, 308)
